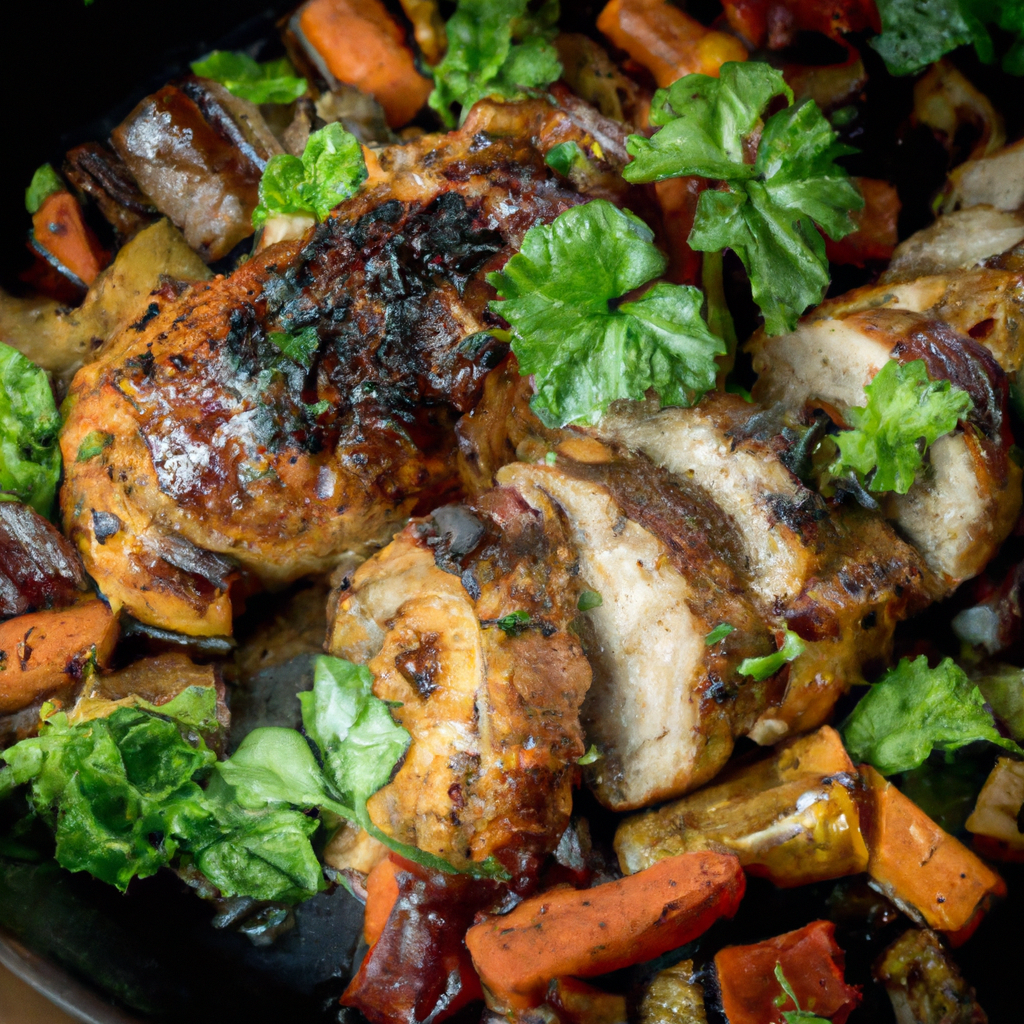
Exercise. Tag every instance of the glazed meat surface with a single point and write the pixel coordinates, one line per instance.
(225, 459)
(492, 702)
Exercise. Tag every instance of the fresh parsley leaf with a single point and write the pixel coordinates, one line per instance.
(720, 632)
(514, 623)
(913, 710)
(915, 33)
(767, 208)
(274, 81)
(495, 48)
(44, 183)
(761, 668)
(592, 755)
(299, 348)
(796, 1016)
(564, 157)
(330, 171)
(93, 444)
(905, 413)
(29, 423)
(585, 348)
(589, 599)
(119, 792)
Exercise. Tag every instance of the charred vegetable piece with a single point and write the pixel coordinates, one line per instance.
(924, 983)
(995, 821)
(927, 873)
(667, 41)
(38, 567)
(776, 22)
(673, 997)
(362, 45)
(419, 968)
(593, 931)
(196, 158)
(61, 236)
(29, 457)
(102, 176)
(44, 653)
(792, 817)
(495, 48)
(811, 963)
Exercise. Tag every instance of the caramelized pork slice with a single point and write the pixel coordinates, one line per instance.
(197, 153)
(959, 513)
(838, 576)
(985, 303)
(665, 707)
(956, 241)
(463, 619)
(223, 445)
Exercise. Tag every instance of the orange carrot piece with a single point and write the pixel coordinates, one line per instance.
(775, 21)
(678, 198)
(364, 46)
(381, 895)
(916, 864)
(811, 962)
(666, 41)
(44, 652)
(876, 235)
(59, 228)
(592, 931)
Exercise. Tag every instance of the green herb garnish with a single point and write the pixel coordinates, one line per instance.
(584, 346)
(273, 81)
(44, 183)
(761, 668)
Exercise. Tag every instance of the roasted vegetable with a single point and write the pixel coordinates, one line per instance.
(792, 817)
(666, 40)
(45, 653)
(924, 983)
(927, 873)
(362, 45)
(38, 567)
(810, 962)
(995, 821)
(593, 931)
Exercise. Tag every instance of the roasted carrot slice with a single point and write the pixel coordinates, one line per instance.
(921, 867)
(876, 235)
(775, 21)
(43, 653)
(363, 46)
(381, 895)
(567, 932)
(666, 41)
(812, 963)
(59, 229)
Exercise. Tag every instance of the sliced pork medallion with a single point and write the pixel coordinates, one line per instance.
(463, 619)
(299, 407)
(665, 706)
(966, 503)
(838, 576)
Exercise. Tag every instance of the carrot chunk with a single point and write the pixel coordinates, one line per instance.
(922, 868)
(812, 963)
(59, 229)
(592, 931)
(381, 895)
(43, 653)
(363, 46)
(666, 41)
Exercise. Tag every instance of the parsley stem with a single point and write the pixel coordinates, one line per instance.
(719, 318)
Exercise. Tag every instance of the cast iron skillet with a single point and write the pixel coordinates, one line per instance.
(151, 955)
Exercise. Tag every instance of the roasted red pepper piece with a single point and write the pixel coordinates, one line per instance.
(811, 962)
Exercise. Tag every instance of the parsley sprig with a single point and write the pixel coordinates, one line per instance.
(573, 329)
(495, 48)
(796, 1016)
(778, 179)
(905, 413)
